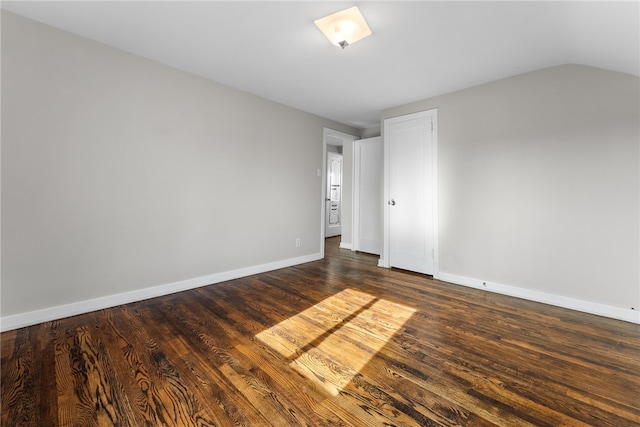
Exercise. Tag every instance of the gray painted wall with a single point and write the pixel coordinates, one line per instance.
(119, 173)
(370, 132)
(539, 183)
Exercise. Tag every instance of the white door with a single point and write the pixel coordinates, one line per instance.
(333, 225)
(409, 231)
(367, 195)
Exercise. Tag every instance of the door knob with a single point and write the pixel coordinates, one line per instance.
(392, 202)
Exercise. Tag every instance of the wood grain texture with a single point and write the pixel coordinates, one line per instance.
(336, 342)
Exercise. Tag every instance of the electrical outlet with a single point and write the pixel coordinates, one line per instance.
(298, 243)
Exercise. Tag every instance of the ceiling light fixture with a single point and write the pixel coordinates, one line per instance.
(345, 27)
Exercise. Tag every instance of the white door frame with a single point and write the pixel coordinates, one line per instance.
(329, 137)
(433, 114)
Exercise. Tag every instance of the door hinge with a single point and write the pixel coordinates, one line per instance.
(431, 125)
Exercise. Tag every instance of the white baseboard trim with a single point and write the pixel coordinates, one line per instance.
(613, 312)
(21, 320)
(344, 245)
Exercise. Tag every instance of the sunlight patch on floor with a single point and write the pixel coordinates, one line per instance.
(293, 334)
(331, 342)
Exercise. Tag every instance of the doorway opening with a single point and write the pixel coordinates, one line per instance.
(334, 213)
(333, 199)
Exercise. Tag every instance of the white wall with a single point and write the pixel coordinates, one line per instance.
(539, 183)
(367, 195)
(120, 174)
(346, 239)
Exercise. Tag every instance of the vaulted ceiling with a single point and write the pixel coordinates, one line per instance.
(418, 49)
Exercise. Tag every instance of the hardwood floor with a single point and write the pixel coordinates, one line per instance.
(337, 342)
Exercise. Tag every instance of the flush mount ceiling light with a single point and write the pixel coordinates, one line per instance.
(345, 27)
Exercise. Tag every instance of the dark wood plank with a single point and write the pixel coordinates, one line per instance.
(337, 342)
(20, 374)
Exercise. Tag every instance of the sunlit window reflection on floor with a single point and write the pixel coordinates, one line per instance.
(333, 340)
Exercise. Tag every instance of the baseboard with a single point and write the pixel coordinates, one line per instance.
(53, 313)
(613, 312)
(344, 245)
